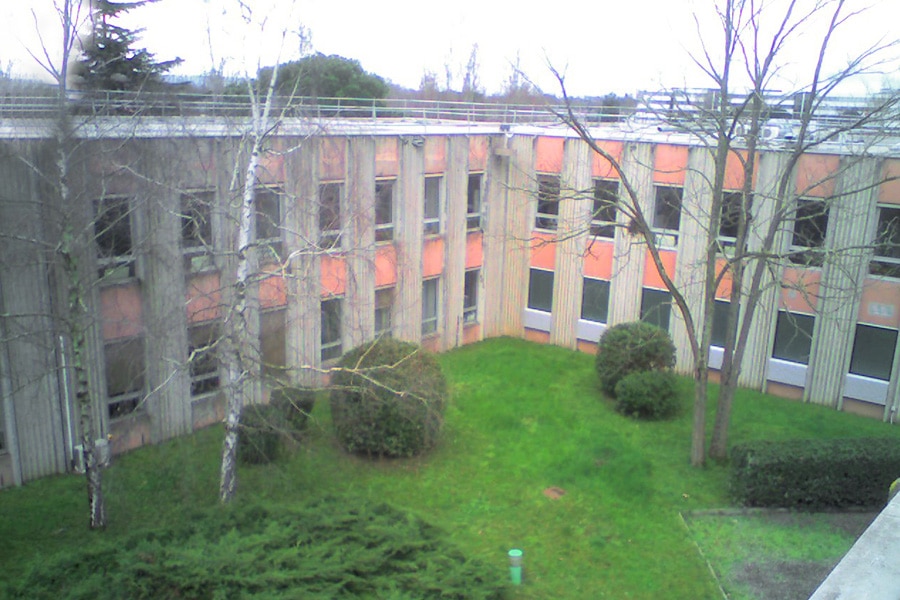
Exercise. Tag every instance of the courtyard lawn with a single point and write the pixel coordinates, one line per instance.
(524, 418)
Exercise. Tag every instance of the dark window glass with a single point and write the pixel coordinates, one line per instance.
(810, 228)
(384, 210)
(473, 202)
(732, 206)
(720, 322)
(887, 243)
(793, 337)
(268, 223)
(384, 302)
(548, 202)
(656, 307)
(196, 229)
(606, 193)
(330, 215)
(331, 329)
(432, 209)
(667, 209)
(272, 344)
(873, 352)
(429, 306)
(203, 343)
(112, 231)
(540, 290)
(470, 297)
(595, 300)
(124, 376)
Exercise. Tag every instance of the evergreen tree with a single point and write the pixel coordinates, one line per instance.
(109, 59)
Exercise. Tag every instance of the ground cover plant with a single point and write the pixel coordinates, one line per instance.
(531, 456)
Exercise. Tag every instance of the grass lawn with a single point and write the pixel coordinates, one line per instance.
(523, 418)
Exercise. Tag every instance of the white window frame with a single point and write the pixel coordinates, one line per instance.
(384, 231)
(330, 239)
(327, 347)
(666, 237)
(470, 300)
(473, 217)
(883, 265)
(545, 221)
(600, 227)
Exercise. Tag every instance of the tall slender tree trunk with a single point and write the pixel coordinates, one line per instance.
(698, 432)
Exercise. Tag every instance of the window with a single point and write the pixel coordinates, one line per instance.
(384, 210)
(124, 361)
(268, 223)
(595, 300)
(473, 202)
(330, 216)
(332, 346)
(732, 207)
(603, 218)
(272, 345)
(810, 227)
(196, 229)
(667, 214)
(548, 202)
(793, 337)
(112, 231)
(720, 323)
(432, 205)
(887, 243)
(429, 306)
(873, 352)
(203, 341)
(384, 306)
(540, 290)
(656, 307)
(470, 296)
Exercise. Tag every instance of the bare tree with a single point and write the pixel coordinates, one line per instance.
(754, 48)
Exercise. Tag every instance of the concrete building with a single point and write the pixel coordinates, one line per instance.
(437, 232)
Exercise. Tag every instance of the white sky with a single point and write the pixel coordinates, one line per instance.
(603, 45)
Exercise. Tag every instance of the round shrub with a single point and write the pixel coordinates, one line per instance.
(296, 403)
(630, 348)
(387, 399)
(647, 395)
(262, 426)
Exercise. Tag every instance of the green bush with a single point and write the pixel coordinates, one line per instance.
(262, 426)
(338, 547)
(296, 403)
(814, 474)
(387, 399)
(630, 348)
(647, 395)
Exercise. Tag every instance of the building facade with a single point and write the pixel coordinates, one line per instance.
(437, 233)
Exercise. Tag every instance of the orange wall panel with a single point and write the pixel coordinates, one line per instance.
(471, 333)
(598, 259)
(600, 167)
(652, 279)
(332, 158)
(543, 251)
(120, 309)
(533, 335)
(587, 347)
(272, 291)
(433, 257)
(816, 175)
(387, 156)
(889, 192)
(334, 275)
(723, 291)
(548, 154)
(385, 265)
(670, 164)
(734, 170)
(435, 154)
(478, 150)
(880, 303)
(474, 250)
(204, 298)
(800, 290)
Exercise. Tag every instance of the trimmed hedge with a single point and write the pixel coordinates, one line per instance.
(647, 395)
(630, 348)
(387, 399)
(815, 474)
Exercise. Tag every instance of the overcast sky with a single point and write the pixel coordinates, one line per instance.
(603, 45)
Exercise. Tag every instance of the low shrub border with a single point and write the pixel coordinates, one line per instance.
(815, 474)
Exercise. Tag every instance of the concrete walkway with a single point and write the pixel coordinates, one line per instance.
(871, 569)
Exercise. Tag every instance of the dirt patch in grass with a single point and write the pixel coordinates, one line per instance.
(774, 555)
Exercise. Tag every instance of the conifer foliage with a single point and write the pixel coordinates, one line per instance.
(109, 58)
